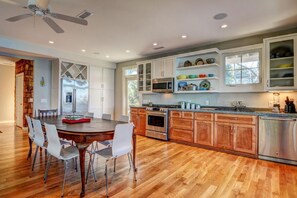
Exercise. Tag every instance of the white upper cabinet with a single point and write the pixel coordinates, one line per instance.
(281, 62)
(108, 79)
(95, 77)
(163, 67)
(144, 76)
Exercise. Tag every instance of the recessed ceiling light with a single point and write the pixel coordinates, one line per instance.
(107, 56)
(224, 26)
(127, 51)
(155, 44)
(184, 36)
(220, 16)
(51, 42)
(83, 50)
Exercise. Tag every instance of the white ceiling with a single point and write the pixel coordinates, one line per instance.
(119, 25)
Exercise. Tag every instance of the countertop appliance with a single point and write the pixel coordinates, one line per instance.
(157, 121)
(75, 96)
(163, 85)
(278, 139)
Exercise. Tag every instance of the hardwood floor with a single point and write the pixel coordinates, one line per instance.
(164, 170)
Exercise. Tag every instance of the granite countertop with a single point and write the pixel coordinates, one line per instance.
(255, 112)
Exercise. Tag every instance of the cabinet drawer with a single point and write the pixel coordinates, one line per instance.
(175, 114)
(141, 111)
(134, 111)
(204, 116)
(182, 135)
(232, 118)
(180, 123)
(188, 115)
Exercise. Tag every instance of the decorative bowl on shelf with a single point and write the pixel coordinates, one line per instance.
(187, 63)
(285, 65)
(202, 75)
(192, 76)
(199, 61)
(210, 75)
(181, 77)
(210, 60)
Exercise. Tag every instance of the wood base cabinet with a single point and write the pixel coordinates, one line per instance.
(203, 129)
(181, 126)
(138, 117)
(230, 133)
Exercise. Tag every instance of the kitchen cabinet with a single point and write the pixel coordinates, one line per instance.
(144, 76)
(101, 91)
(281, 62)
(203, 129)
(163, 67)
(138, 118)
(181, 126)
(236, 132)
(210, 81)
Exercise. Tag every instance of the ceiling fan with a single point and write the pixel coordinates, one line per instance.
(42, 8)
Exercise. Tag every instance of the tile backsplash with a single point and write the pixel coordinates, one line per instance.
(257, 100)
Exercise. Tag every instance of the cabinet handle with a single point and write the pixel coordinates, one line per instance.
(267, 83)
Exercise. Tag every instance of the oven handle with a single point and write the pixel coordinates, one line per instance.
(156, 113)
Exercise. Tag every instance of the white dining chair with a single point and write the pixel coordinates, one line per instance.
(106, 116)
(39, 138)
(55, 148)
(124, 118)
(30, 134)
(122, 145)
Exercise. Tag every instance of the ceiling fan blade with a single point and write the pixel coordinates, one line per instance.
(19, 17)
(69, 18)
(53, 25)
(10, 2)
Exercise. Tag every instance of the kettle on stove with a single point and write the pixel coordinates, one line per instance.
(290, 106)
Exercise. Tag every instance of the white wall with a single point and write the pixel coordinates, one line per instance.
(42, 95)
(7, 81)
(257, 100)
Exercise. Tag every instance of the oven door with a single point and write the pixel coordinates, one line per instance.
(156, 121)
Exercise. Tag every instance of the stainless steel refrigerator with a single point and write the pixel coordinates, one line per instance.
(75, 97)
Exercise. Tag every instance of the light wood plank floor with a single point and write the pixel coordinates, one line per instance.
(164, 170)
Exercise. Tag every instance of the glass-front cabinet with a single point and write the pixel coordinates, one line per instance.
(144, 76)
(281, 62)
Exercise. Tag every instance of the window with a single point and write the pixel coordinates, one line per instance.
(243, 68)
(130, 90)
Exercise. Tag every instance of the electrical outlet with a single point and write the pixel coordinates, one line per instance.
(270, 104)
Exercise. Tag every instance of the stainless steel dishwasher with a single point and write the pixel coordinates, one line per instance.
(278, 139)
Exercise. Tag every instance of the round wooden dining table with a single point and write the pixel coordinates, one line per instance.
(83, 134)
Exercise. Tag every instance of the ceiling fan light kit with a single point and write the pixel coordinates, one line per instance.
(42, 8)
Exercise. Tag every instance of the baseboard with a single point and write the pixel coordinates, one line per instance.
(7, 122)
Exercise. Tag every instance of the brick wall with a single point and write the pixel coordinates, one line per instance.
(26, 67)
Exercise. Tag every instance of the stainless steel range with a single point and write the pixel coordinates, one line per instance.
(157, 121)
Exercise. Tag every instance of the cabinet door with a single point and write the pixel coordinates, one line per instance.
(158, 68)
(134, 119)
(203, 132)
(181, 135)
(223, 136)
(148, 76)
(245, 138)
(108, 102)
(142, 124)
(281, 62)
(108, 79)
(168, 67)
(95, 77)
(96, 102)
(140, 76)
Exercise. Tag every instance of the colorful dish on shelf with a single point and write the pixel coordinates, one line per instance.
(202, 75)
(192, 76)
(182, 76)
(199, 61)
(187, 63)
(210, 60)
(204, 85)
(285, 65)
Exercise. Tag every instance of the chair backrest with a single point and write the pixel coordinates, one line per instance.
(47, 112)
(122, 139)
(54, 146)
(106, 116)
(31, 130)
(39, 135)
(89, 115)
(124, 118)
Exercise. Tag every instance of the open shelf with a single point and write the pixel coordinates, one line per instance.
(284, 68)
(282, 58)
(198, 91)
(198, 66)
(195, 79)
(286, 78)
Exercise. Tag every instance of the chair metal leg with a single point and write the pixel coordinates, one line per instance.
(133, 167)
(47, 167)
(30, 149)
(65, 168)
(106, 178)
(35, 155)
(91, 165)
(129, 159)
(114, 164)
